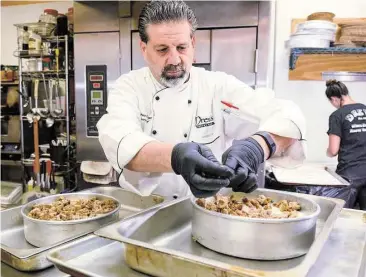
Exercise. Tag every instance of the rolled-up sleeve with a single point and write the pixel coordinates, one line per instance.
(277, 116)
(120, 129)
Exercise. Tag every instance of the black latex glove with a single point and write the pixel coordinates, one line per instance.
(200, 169)
(244, 158)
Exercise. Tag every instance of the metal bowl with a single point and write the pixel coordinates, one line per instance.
(43, 233)
(257, 238)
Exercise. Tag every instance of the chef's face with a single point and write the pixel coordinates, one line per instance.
(169, 51)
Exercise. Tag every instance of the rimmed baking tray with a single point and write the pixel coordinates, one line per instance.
(343, 255)
(18, 253)
(159, 242)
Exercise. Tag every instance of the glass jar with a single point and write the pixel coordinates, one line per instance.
(23, 39)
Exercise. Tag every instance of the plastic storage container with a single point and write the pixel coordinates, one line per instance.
(11, 193)
(49, 16)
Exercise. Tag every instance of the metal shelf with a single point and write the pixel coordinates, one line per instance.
(11, 152)
(11, 163)
(15, 83)
(345, 76)
(296, 52)
(45, 72)
(24, 54)
(61, 118)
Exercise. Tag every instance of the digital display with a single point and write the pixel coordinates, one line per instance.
(96, 97)
(94, 78)
(97, 94)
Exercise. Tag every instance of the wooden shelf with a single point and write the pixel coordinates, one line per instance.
(296, 52)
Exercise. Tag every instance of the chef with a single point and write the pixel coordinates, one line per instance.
(175, 129)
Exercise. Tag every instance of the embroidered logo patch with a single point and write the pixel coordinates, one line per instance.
(204, 121)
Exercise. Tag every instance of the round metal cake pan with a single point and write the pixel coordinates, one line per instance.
(257, 238)
(43, 233)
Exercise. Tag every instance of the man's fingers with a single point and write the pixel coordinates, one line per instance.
(203, 193)
(251, 183)
(240, 176)
(231, 162)
(208, 184)
(211, 168)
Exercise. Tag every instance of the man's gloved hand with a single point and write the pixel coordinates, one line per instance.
(199, 167)
(244, 158)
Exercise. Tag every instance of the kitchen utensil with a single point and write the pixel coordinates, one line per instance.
(43, 175)
(30, 114)
(36, 85)
(37, 232)
(58, 110)
(53, 184)
(26, 95)
(36, 150)
(50, 120)
(48, 175)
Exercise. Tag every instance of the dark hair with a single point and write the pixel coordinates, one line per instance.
(156, 12)
(335, 89)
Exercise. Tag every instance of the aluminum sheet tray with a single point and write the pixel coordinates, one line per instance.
(158, 242)
(18, 253)
(343, 255)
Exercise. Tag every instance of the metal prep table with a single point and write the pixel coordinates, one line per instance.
(344, 254)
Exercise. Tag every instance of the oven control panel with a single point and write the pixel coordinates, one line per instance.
(96, 96)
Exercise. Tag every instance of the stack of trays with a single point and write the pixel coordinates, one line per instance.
(313, 34)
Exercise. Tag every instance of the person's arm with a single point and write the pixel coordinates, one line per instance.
(333, 147)
(282, 119)
(335, 134)
(282, 144)
(154, 156)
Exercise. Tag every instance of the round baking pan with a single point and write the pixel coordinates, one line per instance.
(257, 238)
(43, 233)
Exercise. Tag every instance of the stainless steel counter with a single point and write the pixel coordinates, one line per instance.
(344, 254)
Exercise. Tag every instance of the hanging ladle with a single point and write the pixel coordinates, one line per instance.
(50, 120)
(58, 111)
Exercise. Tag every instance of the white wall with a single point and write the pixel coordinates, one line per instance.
(309, 95)
(11, 15)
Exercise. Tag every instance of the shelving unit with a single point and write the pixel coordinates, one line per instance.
(343, 60)
(50, 84)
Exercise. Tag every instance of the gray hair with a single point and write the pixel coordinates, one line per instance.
(156, 12)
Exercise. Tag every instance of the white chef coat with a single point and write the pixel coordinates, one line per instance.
(141, 110)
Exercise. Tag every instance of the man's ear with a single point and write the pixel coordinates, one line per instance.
(194, 41)
(143, 47)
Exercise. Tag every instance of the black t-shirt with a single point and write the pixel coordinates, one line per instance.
(349, 123)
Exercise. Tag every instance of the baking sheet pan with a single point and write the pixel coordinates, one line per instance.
(18, 253)
(159, 242)
(343, 255)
